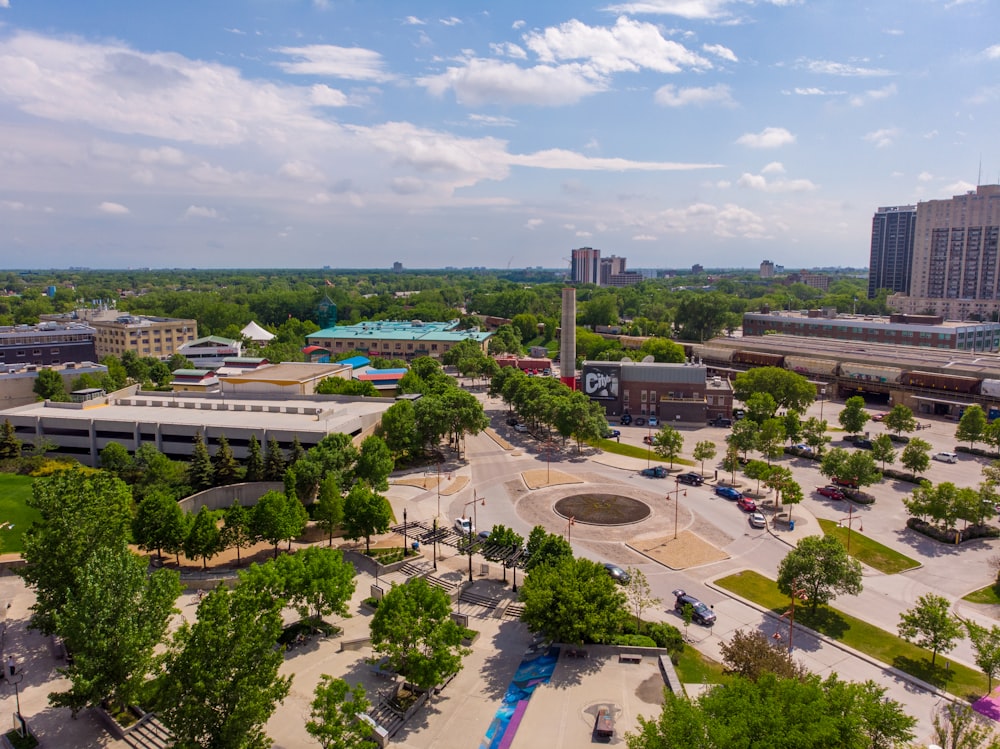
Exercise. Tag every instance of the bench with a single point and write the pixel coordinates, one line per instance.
(576, 653)
(630, 658)
(378, 669)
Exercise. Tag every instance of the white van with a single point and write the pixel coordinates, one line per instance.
(946, 457)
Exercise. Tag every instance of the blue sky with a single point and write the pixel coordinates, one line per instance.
(303, 133)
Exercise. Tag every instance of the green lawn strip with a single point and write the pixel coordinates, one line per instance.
(870, 552)
(14, 494)
(886, 647)
(694, 668)
(612, 446)
(989, 594)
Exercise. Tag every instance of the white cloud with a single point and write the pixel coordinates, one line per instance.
(407, 185)
(643, 238)
(450, 21)
(200, 211)
(353, 63)
(815, 91)
(893, 32)
(959, 188)
(931, 134)
(719, 51)
(509, 49)
(481, 81)
(4, 3)
(671, 96)
(723, 184)
(925, 177)
(760, 182)
(486, 120)
(143, 177)
(882, 138)
(560, 159)
(533, 223)
(874, 95)
(238, 32)
(164, 155)
(324, 96)
(769, 137)
(728, 221)
(992, 52)
(844, 69)
(301, 171)
(518, 25)
(12, 205)
(628, 46)
(113, 209)
(413, 21)
(775, 167)
(584, 234)
(693, 10)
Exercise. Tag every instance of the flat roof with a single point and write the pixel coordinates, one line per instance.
(289, 372)
(396, 330)
(872, 321)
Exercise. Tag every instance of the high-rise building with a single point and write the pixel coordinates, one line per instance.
(893, 231)
(766, 269)
(611, 266)
(586, 266)
(956, 257)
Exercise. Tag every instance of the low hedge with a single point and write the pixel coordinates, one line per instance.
(978, 452)
(857, 496)
(947, 535)
(633, 641)
(892, 473)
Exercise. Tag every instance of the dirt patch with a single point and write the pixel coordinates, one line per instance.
(687, 550)
(650, 690)
(540, 478)
(448, 487)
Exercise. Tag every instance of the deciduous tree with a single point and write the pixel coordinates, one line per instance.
(821, 567)
(318, 582)
(916, 456)
(853, 416)
(972, 425)
(159, 523)
(900, 419)
(203, 540)
(329, 509)
(704, 450)
(790, 390)
(334, 720)
(366, 513)
(751, 654)
(930, 624)
(668, 443)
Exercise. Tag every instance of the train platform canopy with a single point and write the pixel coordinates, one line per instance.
(945, 401)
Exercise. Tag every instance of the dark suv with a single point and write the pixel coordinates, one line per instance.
(700, 614)
(691, 479)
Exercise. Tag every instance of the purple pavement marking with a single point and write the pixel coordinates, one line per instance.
(989, 705)
(515, 721)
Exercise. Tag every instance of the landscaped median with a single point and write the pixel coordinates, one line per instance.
(866, 638)
(867, 551)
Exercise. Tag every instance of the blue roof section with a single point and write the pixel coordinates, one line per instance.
(357, 362)
(395, 330)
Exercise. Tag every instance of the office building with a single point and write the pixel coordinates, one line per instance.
(396, 339)
(611, 266)
(956, 257)
(766, 269)
(45, 344)
(893, 232)
(585, 266)
(117, 332)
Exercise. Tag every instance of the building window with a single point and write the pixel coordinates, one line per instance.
(643, 397)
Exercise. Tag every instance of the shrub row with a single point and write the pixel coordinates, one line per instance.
(977, 451)
(947, 535)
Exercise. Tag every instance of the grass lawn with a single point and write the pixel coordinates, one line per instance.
(870, 552)
(959, 680)
(14, 493)
(612, 446)
(989, 594)
(694, 668)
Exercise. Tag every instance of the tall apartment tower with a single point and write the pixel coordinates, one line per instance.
(766, 269)
(586, 266)
(956, 257)
(893, 231)
(611, 266)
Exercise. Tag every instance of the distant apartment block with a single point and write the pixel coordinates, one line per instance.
(159, 337)
(899, 329)
(766, 269)
(47, 343)
(956, 257)
(585, 265)
(893, 232)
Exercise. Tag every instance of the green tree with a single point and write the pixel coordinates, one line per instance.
(274, 461)
(366, 513)
(668, 443)
(930, 624)
(220, 681)
(663, 350)
(277, 517)
(790, 390)
(10, 445)
(413, 629)
(111, 622)
(751, 654)
(334, 719)
(201, 474)
(900, 419)
(374, 463)
(760, 407)
(882, 450)
(399, 429)
(770, 437)
(159, 523)
(701, 316)
(255, 461)
(814, 434)
(639, 595)
(318, 582)
(573, 601)
(704, 450)
(958, 726)
(916, 456)
(986, 645)
(972, 425)
(49, 386)
(115, 459)
(226, 468)
(743, 436)
(853, 416)
(236, 531)
(329, 508)
(546, 549)
(821, 567)
(342, 386)
(204, 540)
(154, 471)
(80, 513)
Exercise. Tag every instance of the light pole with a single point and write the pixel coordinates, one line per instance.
(435, 541)
(404, 533)
(850, 520)
(14, 677)
(822, 397)
(570, 522)
(439, 489)
(797, 593)
(475, 501)
(677, 501)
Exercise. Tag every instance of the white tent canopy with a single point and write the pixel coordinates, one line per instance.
(254, 332)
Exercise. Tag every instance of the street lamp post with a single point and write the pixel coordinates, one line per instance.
(404, 533)
(797, 593)
(14, 677)
(475, 501)
(850, 520)
(677, 501)
(822, 397)
(570, 521)
(435, 542)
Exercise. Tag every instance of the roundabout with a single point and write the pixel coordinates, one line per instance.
(602, 509)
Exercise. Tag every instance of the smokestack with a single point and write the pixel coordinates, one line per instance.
(567, 342)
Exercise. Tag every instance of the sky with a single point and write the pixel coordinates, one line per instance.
(310, 133)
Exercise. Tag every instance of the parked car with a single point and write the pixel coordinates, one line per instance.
(878, 416)
(757, 520)
(484, 535)
(653, 421)
(656, 472)
(728, 492)
(640, 422)
(647, 439)
(746, 504)
(612, 434)
(512, 421)
(617, 573)
(691, 479)
(721, 421)
(739, 413)
(626, 419)
(465, 526)
(701, 614)
(522, 428)
(849, 483)
(833, 492)
(863, 444)
(804, 449)
(946, 457)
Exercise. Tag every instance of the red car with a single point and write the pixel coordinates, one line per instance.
(746, 504)
(833, 492)
(878, 417)
(647, 439)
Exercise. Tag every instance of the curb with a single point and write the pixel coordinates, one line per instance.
(902, 675)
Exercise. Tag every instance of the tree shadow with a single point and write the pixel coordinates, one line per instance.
(824, 620)
(937, 675)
